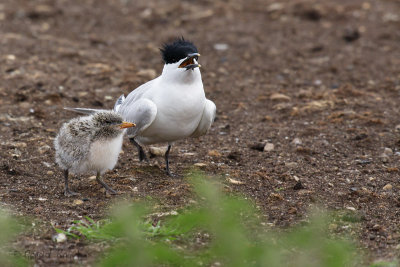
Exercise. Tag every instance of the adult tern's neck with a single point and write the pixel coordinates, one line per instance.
(180, 76)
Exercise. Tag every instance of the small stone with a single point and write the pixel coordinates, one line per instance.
(351, 208)
(189, 154)
(279, 97)
(269, 147)
(147, 73)
(59, 238)
(387, 187)
(291, 164)
(77, 202)
(397, 128)
(19, 144)
(388, 151)
(221, 47)
(199, 164)
(297, 141)
(42, 199)
(49, 172)
(92, 178)
(376, 227)
(214, 153)
(44, 149)
(275, 7)
(10, 57)
(82, 93)
(233, 181)
(157, 151)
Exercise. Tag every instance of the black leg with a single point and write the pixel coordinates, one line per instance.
(109, 189)
(67, 192)
(142, 155)
(167, 161)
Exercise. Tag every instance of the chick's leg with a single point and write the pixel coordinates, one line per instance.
(100, 181)
(67, 192)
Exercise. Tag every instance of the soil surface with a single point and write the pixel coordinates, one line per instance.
(307, 94)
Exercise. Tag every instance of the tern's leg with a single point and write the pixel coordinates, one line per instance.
(142, 155)
(109, 189)
(67, 192)
(167, 161)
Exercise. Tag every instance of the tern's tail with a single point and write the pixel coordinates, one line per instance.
(118, 103)
(87, 111)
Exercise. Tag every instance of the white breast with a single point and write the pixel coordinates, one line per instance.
(104, 154)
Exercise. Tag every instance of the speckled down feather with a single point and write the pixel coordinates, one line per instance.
(74, 141)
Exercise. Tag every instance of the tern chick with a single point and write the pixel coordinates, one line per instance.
(90, 144)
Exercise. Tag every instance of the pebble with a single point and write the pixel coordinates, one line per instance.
(388, 187)
(397, 128)
(387, 151)
(199, 164)
(269, 147)
(49, 172)
(351, 208)
(279, 97)
(59, 237)
(214, 153)
(233, 181)
(189, 154)
(147, 73)
(44, 149)
(77, 202)
(11, 57)
(297, 141)
(221, 47)
(291, 164)
(18, 144)
(157, 151)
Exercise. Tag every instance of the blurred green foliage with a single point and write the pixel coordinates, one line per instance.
(9, 227)
(219, 230)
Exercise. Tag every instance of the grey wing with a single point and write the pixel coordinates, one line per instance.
(206, 120)
(118, 103)
(141, 112)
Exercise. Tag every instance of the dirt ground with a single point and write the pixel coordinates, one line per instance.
(318, 81)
